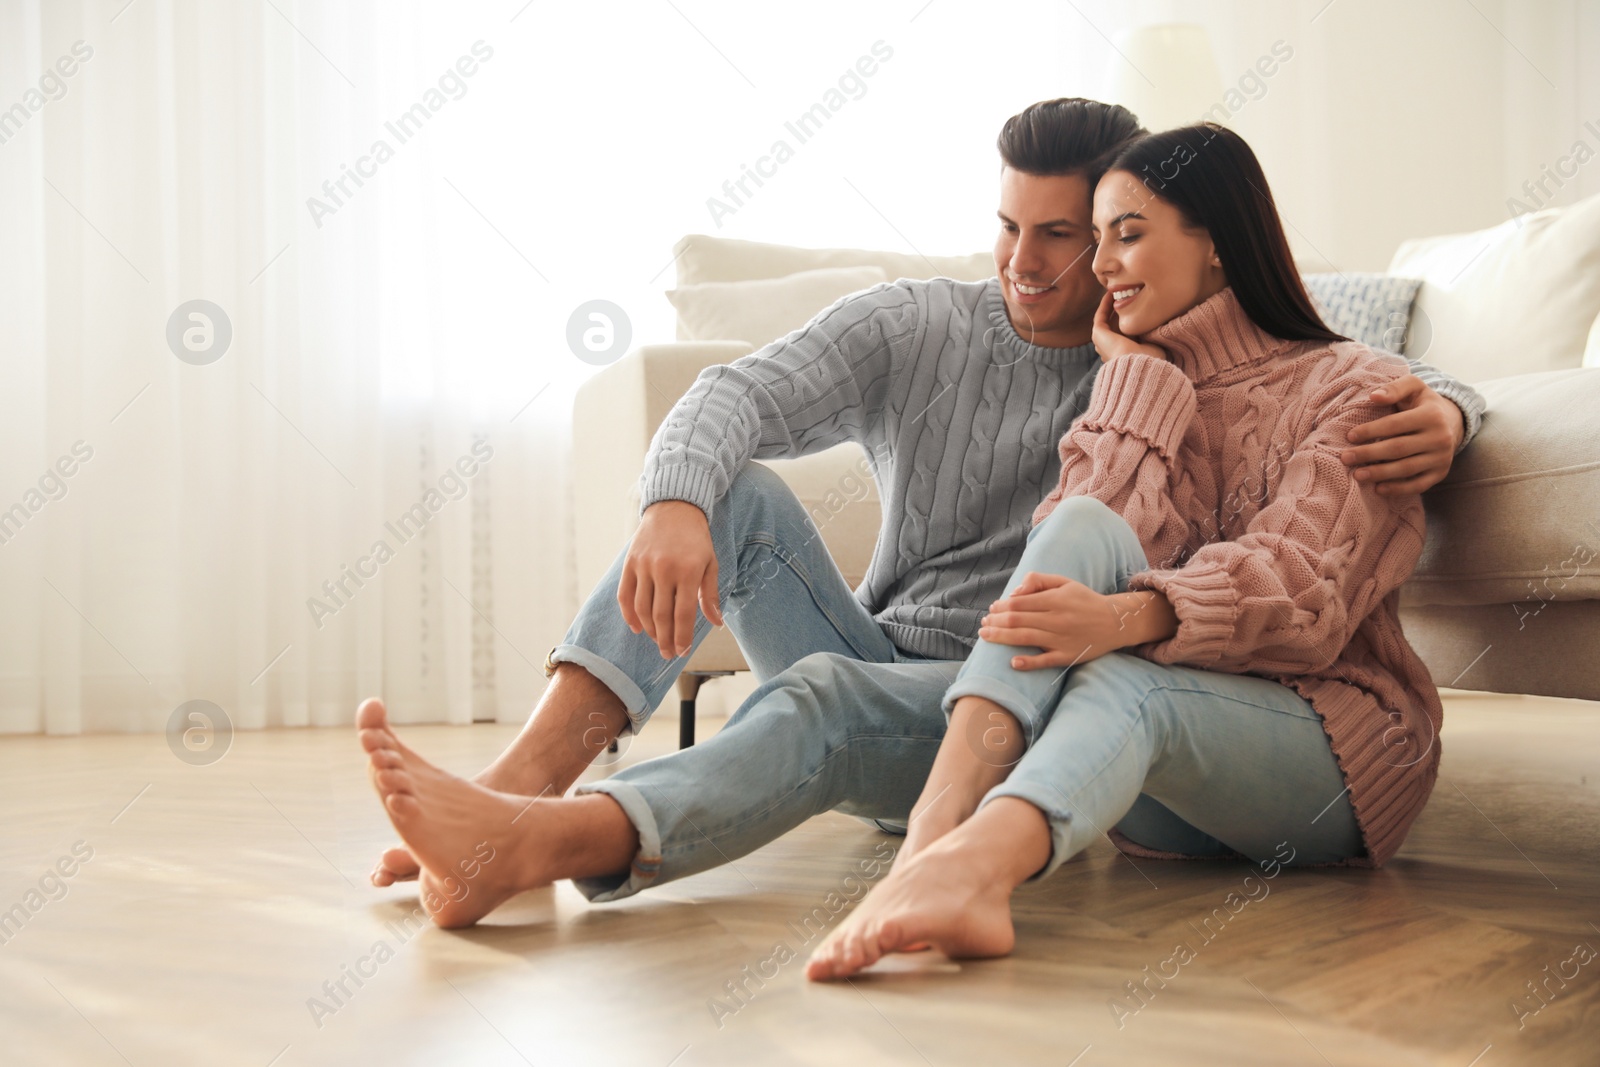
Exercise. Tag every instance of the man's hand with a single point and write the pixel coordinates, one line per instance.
(670, 564)
(1418, 442)
(1109, 339)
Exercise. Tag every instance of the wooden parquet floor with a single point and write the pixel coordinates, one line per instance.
(211, 910)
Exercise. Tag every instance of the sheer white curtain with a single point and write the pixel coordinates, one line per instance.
(180, 530)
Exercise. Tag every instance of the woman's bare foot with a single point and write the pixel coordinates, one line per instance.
(982, 745)
(930, 821)
(955, 895)
(476, 850)
(928, 824)
(938, 899)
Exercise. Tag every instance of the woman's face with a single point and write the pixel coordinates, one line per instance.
(1146, 252)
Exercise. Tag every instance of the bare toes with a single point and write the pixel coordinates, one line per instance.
(821, 963)
(402, 805)
(860, 954)
(376, 740)
(383, 876)
(371, 715)
(396, 865)
(888, 937)
(393, 781)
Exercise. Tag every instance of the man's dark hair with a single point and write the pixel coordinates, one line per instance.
(1067, 136)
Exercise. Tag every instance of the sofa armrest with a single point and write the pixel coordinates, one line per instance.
(1518, 519)
(614, 416)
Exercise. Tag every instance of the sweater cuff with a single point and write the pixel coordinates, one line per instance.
(1470, 401)
(1145, 397)
(1203, 598)
(681, 481)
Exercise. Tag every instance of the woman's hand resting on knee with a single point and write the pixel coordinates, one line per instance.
(1071, 623)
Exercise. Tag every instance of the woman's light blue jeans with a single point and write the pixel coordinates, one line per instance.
(1176, 759)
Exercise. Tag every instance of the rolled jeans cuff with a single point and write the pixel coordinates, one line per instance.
(1067, 838)
(1022, 707)
(633, 699)
(646, 865)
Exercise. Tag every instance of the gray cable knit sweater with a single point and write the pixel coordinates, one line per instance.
(959, 416)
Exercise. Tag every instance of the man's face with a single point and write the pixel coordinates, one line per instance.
(1045, 241)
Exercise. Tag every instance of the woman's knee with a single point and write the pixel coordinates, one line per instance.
(1084, 520)
(1074, 513)
(1086, 541)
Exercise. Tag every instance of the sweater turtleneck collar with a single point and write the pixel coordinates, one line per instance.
(1215, 336)
(1006, 335)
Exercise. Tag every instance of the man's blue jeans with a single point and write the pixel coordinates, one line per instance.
(1177, 759)
(782, 596)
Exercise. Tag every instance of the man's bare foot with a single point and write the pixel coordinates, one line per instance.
(939, 899)
(546, 757)
(399, 865)
(476, 850)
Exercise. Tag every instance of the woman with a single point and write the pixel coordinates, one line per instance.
(1217, 668)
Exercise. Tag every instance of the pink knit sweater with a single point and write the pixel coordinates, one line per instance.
(1224, 458)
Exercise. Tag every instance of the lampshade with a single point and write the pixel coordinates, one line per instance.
(1169, 76)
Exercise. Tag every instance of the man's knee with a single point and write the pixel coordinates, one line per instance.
(756, 488)
(822, 672)
(815, 687)
(809, 681)
(800, 708)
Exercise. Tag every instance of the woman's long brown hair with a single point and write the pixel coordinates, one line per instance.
(1213, 178)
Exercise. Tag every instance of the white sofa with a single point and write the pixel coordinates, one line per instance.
(1507, 596)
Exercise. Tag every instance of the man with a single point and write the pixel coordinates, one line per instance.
(959, 391)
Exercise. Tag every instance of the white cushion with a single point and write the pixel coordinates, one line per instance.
(1591, 353)
(722, 259)
(1514, 299)
(763, 309)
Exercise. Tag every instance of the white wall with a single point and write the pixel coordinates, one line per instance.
(1396, 120)
(1391, 120)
